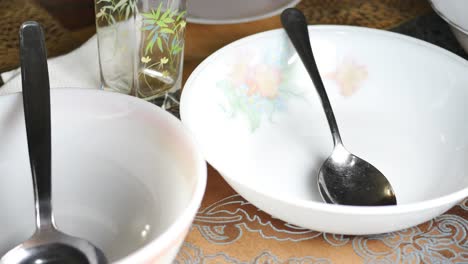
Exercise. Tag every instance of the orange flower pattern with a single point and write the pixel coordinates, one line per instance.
(258, 85)
(349, 76)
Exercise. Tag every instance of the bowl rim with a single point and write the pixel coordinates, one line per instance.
(177, 229)
(449, 21)
(211, 21)
(314, 205)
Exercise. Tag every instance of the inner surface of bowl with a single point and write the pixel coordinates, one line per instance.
(399, 104)
(122, 171)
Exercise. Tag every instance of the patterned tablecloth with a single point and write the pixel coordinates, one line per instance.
(228, 229)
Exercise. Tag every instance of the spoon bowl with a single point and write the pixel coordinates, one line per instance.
(47, 245)
(344, 178)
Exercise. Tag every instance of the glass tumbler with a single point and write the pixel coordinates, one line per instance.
(141, 47)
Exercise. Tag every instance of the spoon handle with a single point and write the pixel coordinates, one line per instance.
(295, 24)
(36, 100)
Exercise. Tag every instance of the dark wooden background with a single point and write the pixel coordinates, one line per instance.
(72, 14)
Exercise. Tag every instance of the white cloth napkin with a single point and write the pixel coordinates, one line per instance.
(77, 69)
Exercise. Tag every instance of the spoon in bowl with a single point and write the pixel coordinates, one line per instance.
(344, 178)
(47, 245)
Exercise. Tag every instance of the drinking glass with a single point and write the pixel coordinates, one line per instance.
(141, 47)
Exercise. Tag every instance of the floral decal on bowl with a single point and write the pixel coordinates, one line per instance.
(258, 85)
(349, 76)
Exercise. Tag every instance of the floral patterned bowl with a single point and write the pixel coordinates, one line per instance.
(399, 102)
(126, 175)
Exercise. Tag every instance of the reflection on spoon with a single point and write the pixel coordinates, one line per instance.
(344, 178)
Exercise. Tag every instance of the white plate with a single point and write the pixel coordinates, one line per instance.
(234, 11)
(400, 103)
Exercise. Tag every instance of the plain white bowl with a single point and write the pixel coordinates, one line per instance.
(400, 104)
(454, 12)
(126, 175)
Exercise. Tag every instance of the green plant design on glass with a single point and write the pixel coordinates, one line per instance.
(163, 30)
(112, 11)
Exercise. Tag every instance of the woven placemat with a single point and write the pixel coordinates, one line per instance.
(371, 13)
(12, 14)
(381, 14)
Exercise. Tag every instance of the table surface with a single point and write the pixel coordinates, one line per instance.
(229, 229)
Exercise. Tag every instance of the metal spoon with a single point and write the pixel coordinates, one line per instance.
(343, 178)
(47, 245)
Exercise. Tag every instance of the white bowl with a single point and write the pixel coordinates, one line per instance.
(454, 12)
(126, 175)
(232, 12)
(400, 104)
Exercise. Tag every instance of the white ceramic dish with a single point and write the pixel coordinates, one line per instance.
(400, 104)
(126, 175)
(231, 12)
(454, 12)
